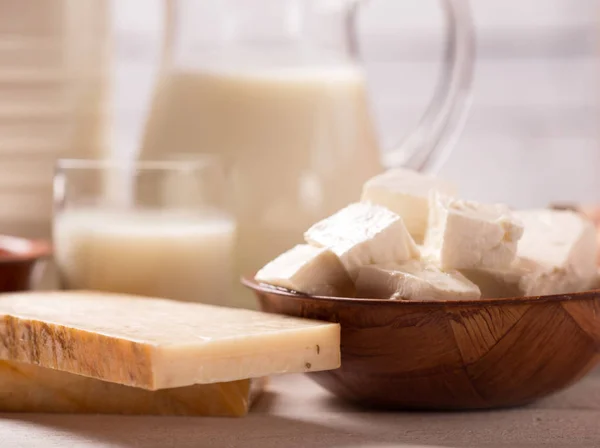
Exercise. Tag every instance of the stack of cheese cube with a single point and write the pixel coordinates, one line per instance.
(411, 238)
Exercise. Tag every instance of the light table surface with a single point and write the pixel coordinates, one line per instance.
(295, 412)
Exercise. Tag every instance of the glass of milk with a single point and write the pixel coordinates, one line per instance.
(109, 236)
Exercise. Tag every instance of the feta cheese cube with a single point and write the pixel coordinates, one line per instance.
(559, 238)
(363, 234)
(413, 280)
(499, 283)
(468, 235)
(406, 193)
(556, 255)
(308, 269)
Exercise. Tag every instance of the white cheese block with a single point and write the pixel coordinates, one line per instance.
(557, 254)
(468, 235)
(560, 238)
(406, 193)
(159, 344)
(29, 388)
(363, 234)
(308, 269)
(413, 280)
(498, 283)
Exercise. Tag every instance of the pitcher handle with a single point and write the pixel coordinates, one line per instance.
(428, 146)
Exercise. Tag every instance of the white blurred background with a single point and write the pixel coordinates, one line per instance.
(533, 134)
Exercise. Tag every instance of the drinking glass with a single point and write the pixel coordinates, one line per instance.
(109, 236)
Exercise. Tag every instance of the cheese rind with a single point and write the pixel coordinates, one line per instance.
(29, 388)
(363, 234)
(413, 280)
(406, 193)
(469, 235)
(556, 255)
(159, 344)
(308, 269)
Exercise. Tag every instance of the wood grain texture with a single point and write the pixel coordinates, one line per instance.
(452, 354)
(477, 331)
(28, 388)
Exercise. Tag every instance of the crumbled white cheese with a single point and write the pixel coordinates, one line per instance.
(468, 235)
(308, 269)
(406, 193)
(363, 234)
(557, 254)
(413, 280)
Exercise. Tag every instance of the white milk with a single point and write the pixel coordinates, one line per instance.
(299, 140)
(180, 256)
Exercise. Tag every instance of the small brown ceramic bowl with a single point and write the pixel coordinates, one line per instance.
(450, 355)
(19, 258)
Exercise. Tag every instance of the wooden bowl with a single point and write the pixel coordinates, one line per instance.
(19, 258)
(450, 355)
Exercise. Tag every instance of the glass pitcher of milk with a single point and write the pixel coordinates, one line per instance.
(275, 88)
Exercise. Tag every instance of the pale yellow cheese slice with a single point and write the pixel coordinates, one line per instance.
(159, 344)
(28, 388)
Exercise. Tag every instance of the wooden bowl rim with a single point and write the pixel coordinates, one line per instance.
(34, 249)
(249, 282)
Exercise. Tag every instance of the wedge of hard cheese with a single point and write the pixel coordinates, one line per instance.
(159, 344)
(28, 388)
